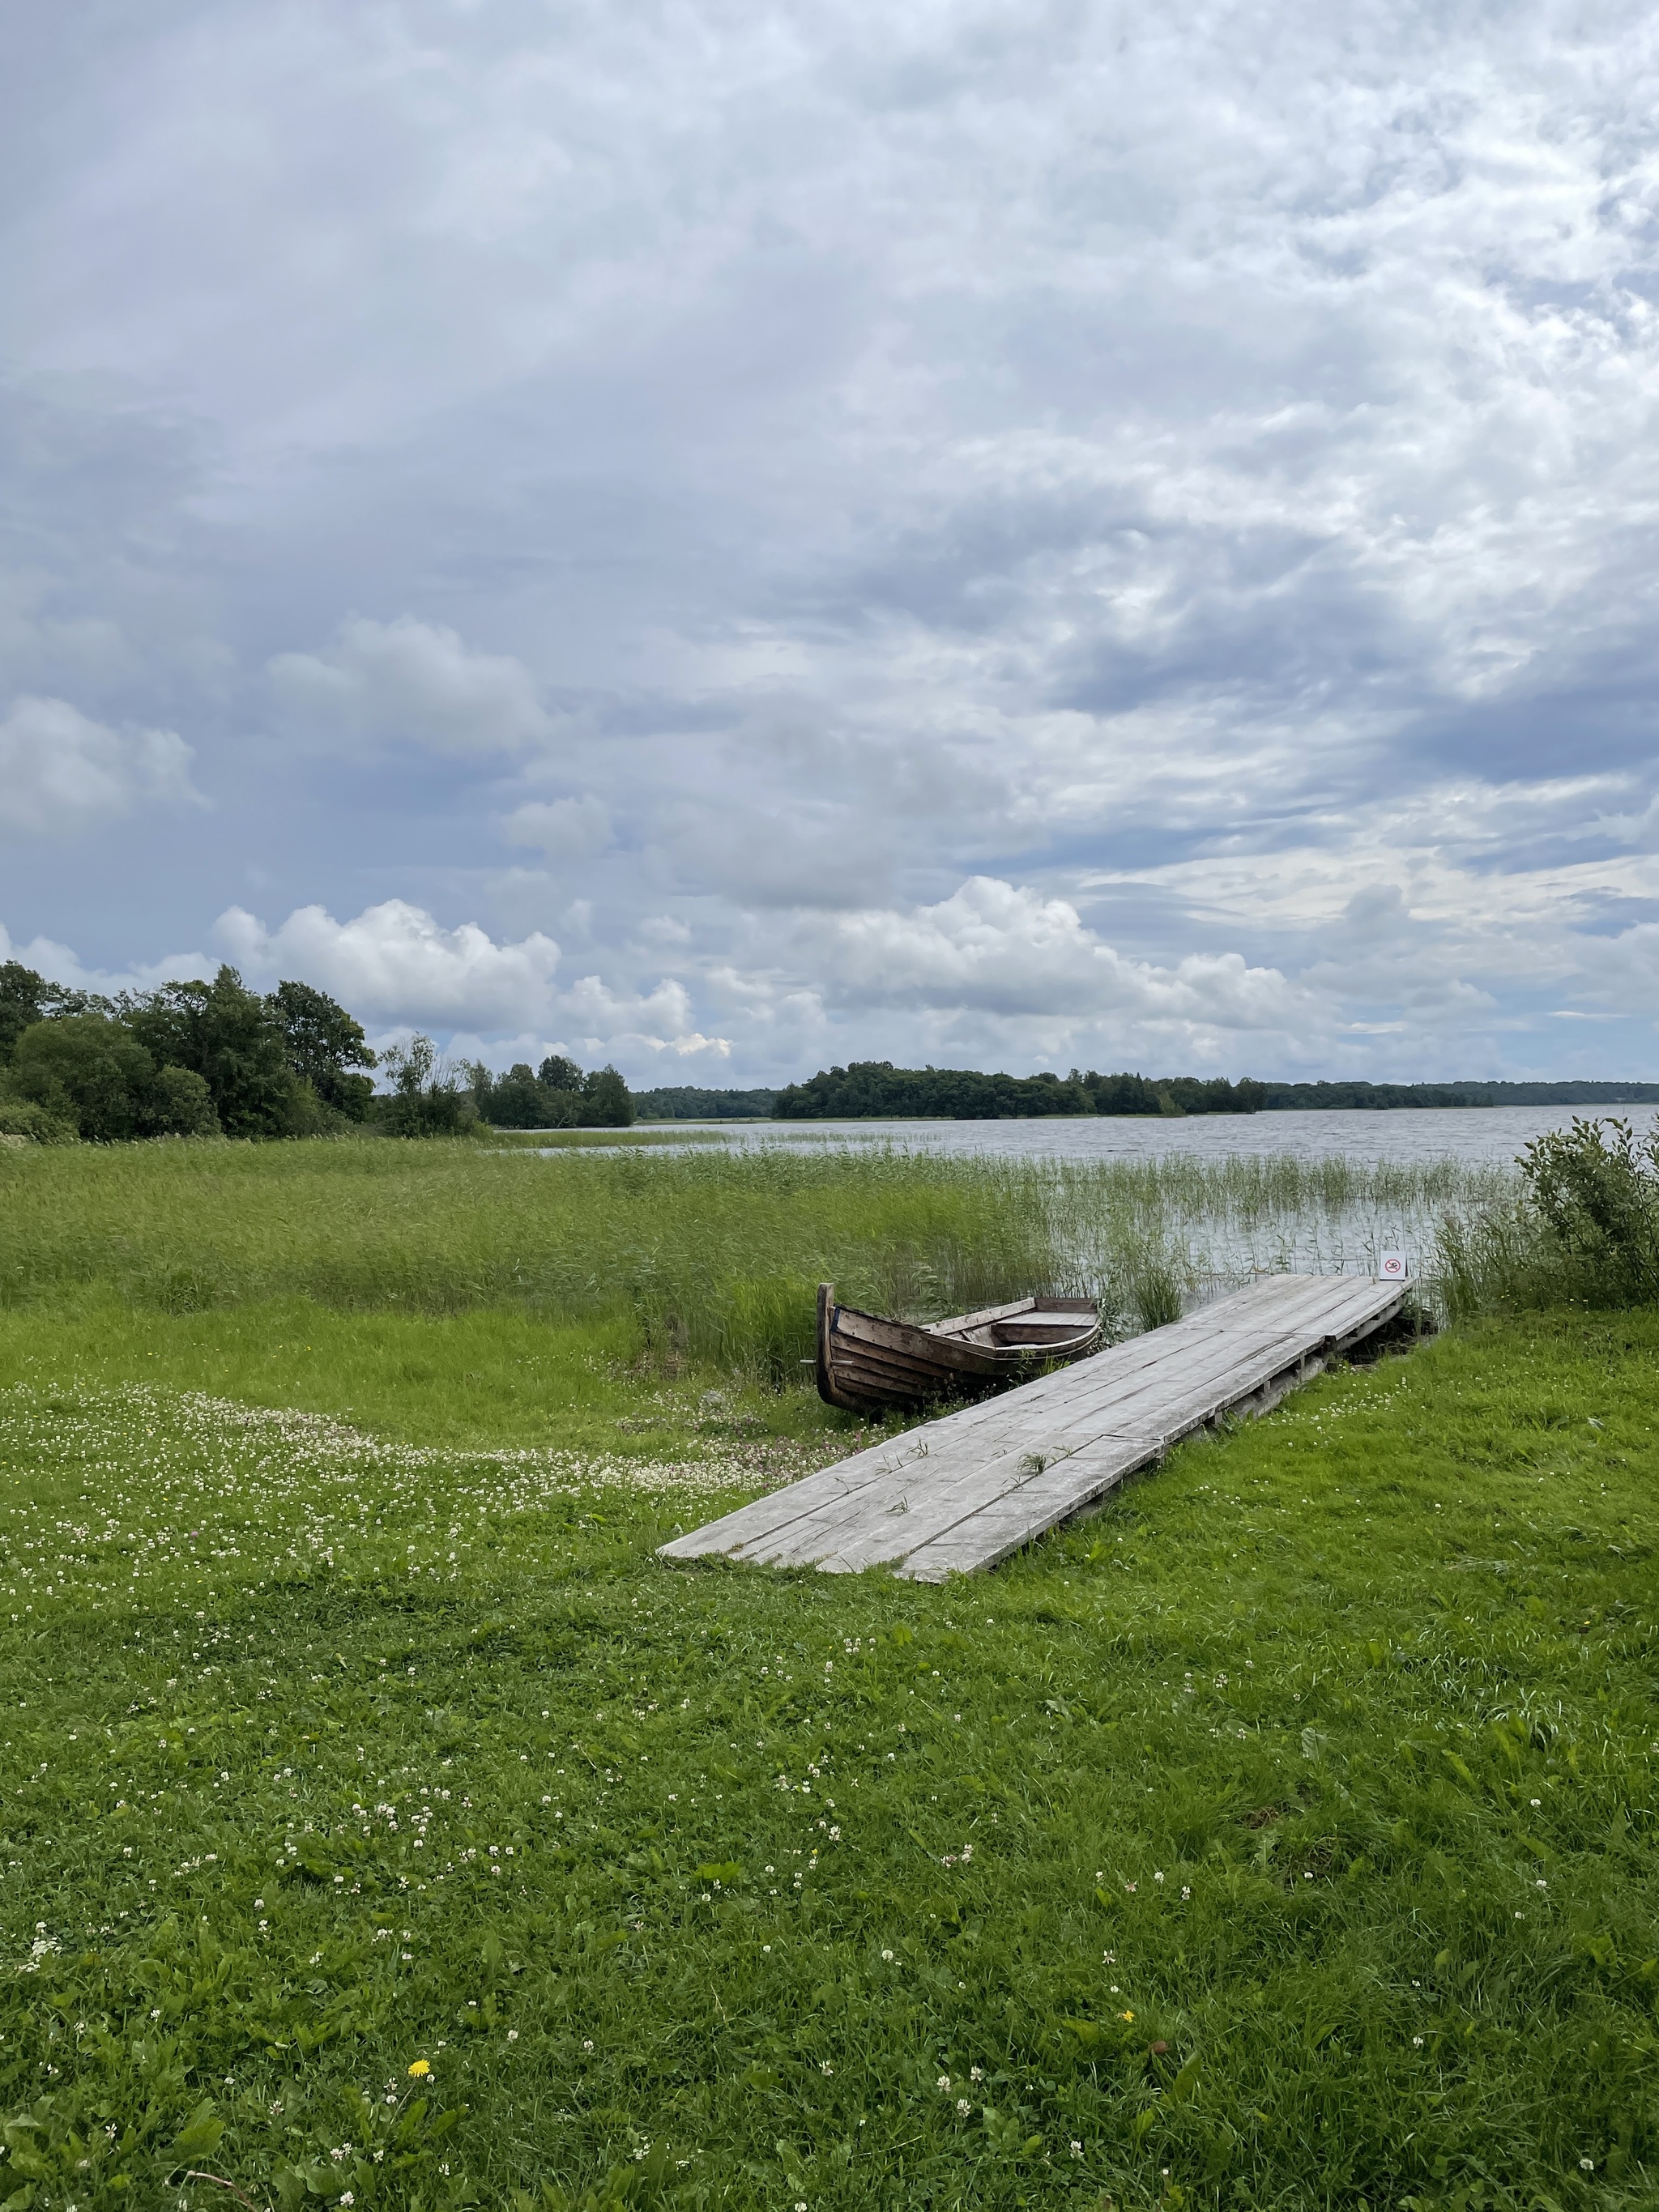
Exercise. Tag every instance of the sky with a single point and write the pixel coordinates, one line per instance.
(731, 538)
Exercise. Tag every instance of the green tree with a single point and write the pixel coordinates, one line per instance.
(606, 1101)
(181, 1105)
(427, 1099)
(229, 1036)
(91, 1072)
(22, 1117)
(23, 1003)
(324, 1046)
(26, 998)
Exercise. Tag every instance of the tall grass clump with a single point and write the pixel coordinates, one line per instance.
(716, 1257)
(711, 1256)
(1583, 1228)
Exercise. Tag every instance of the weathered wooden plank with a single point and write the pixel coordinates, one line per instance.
(1052, 1463)
(966, 1489)
(1065, 1484)
(1110, 1385)
(945, 1477)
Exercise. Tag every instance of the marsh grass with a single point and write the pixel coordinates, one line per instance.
(577, 1140)
(710, 1257)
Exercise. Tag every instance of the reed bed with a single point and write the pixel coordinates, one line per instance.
(714, 1255)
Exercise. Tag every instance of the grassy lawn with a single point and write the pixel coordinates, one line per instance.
(1284, 1836)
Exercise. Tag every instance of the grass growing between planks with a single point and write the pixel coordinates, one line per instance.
(1282, 1838)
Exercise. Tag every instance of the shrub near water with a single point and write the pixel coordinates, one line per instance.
(1582, 1230)
(1278, 1839)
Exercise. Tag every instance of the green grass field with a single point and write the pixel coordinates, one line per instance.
(1283, 1837)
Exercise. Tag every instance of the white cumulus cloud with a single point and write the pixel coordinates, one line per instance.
(1002, 949)
(394, 963)
(413, 680)
(655, 1021)
(60, 964)
(61, 772)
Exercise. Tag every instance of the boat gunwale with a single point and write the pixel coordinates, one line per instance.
(915, 1355)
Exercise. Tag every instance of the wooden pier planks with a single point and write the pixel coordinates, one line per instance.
(963, 1492)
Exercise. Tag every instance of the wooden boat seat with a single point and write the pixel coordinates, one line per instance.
(867, 1360)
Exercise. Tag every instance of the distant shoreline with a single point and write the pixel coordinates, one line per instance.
(875, 1091)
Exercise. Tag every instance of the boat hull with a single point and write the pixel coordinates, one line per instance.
(870, 1363)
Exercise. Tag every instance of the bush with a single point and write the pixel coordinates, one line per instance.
(1584, 1232)
(22, 1117)
(87, 1073)
(426, 1099)
(181, 1105)
(1596, 1186)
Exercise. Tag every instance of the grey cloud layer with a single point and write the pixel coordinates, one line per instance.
(1081, 531)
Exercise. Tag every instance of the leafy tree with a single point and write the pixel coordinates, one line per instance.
(427, 1100)
(91, 1073)
(231, 1037)
(22, 996)
(517, 1101)
(558, 1096)
(22, 1117)
(605, 1101)
(689, 1101)
(876, 1087)
(26, 998)
(181, 1105)
(86, 1069)
(325, 1046)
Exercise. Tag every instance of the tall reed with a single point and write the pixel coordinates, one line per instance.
(715, 1253)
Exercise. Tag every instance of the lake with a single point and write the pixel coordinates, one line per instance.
(1484, 1135)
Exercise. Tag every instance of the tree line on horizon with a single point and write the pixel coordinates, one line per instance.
(871, 1089)
(217, 1060)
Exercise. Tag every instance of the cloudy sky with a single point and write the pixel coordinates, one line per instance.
(729, 536)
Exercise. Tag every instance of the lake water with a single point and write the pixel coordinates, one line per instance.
(1484, 1135)
(1213, 1235)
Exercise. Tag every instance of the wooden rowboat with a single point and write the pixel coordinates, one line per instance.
(867, 1361)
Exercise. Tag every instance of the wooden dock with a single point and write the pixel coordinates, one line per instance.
(965, 1491)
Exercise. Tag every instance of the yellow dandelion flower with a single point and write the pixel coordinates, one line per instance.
(1122, 2016)
(420, 2068)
